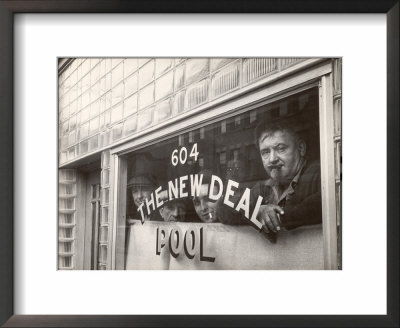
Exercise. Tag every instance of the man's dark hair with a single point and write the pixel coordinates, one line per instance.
(270, 127)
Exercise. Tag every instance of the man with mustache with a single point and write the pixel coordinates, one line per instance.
(292, 193)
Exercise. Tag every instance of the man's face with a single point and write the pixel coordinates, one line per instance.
(140, 194)
(173, 211)
(281, 155)
(205, 207)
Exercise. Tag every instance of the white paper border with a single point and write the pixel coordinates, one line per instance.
(360, 288)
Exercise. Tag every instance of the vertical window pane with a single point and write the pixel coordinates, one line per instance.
(195, 69)
(72, 122)
(179, 102)
(130, 105)
(116, 113)
(72, 138)
(131, 84)
(162, 110)
(117, 74)
(145, 118)
(103, 234)
(117, 131)
(105, 196)
(117, 94)
(104, 215)
(67, 175)
(179, 77)
(105, 159)
(130, 125)
(106, 177)
(162, 65)
(84, 131)
(95, 74)
(85, 114)
(146, 74)
(85, 98)
(146, 96)
(66, 218)
(103, 253)
(83, 147)
(130, 65)
(95, 109)
(94, 143)
(164, 85)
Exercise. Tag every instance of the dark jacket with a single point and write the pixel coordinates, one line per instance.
(302, 203)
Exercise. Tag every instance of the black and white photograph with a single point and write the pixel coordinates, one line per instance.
(217, 155)
(199, 163)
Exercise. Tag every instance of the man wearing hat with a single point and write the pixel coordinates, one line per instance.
(140, 188)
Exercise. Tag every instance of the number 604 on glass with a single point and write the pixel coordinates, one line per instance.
(181, 155)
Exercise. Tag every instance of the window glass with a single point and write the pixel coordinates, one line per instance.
(162, 65)
(164, 85)
(179, 77)
(117, 94)
(216, 63)
(215, 173)
(146, 74)
(131, 85)
(130, 105)
(146, 96)
(245, 180)
(196, 68)
(131, 65)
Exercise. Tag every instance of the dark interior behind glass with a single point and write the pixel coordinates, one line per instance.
(227, 148)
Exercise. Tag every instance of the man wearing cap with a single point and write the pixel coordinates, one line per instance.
(140, 189)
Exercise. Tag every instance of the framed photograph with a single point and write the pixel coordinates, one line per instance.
(176, 165)
(197, 163)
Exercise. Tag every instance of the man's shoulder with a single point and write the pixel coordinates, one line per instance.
(311, 175)
(312, 167)
(261, 184)
(258, 187)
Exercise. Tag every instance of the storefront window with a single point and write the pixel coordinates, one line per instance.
(256, 172)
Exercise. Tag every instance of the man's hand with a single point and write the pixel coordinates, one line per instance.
(269, 217)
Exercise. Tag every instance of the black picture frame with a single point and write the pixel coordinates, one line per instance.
(7, 11)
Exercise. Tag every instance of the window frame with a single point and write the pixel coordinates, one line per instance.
(312, 73)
